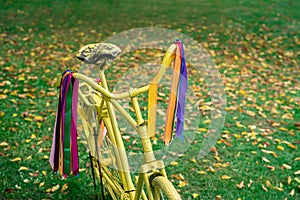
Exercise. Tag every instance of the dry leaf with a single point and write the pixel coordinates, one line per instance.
(201, 172)
(268, 183)
(292, 193)
(174, 163)
(195, 195)
(286, 166)
(250, 183)
(3, 144)
(41, 184)
(278, 189)
(182, 183)
(264, 188)
(225, 177)
(64, 187)
(297, 172)
(23, 168)
(54, 188)
(16, 159)
(281, 148)
(240, 185)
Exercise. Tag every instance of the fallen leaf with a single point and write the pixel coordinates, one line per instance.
(240, 185)
(281, 148)
(3, 144)
(16, 159)
(54, 188)
(41, 184)
(264, 188)
(195, 195)
(268, 183)
(64, 187)
(225, 177)
(250, 183)
(286, 166)
(182, 183)
(174, 163)
(23, 168)
(278, 189)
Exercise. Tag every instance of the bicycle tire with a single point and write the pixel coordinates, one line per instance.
(162, 186)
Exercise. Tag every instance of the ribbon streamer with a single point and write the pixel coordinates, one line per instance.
(64, 151)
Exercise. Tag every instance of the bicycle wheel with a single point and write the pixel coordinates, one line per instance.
(164, 189)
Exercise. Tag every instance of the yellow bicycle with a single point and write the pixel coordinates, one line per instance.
(97, 107)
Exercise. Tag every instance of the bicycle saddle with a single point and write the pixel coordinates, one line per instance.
(99, 54)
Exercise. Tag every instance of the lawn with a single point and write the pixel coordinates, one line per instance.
(254, 44)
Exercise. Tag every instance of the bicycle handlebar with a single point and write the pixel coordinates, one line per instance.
(132, 91)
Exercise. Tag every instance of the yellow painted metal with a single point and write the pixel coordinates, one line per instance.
(105, 104)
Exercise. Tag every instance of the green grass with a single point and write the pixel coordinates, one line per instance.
(254, 44)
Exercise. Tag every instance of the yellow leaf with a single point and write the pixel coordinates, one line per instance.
(297, 172)
(269, 152)
(195, 195)
(3, 96)
(278, 188)
(82, 169)
(41, 184)
(283, 129)
(297, 179)
(264, 159)
(46, 157)
(250, 113)
(286, 166)
(48, 190)
(23, 168)
(217, 158)
(210, 169)
(182, 183)
(16, 159)
(289, 180)
(292, 146)
(64, 187)
(33, 136)
(268, 183)
(174, 163)
(208, 121)
(240, 185)
(292, 192)
(202, 129)
(3, 144)
(193, 160)
(38, 118)
(281, 148)
(250, 183)
(225, 177)
(201, 172)
(54, 188)
(264, 188)
(44, 173)
(28, 119)
(15, 114)
(218, 197)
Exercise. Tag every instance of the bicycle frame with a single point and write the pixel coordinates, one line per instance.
(107, 104)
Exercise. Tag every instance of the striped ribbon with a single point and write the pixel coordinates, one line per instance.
(64, 151)
(176, 98)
